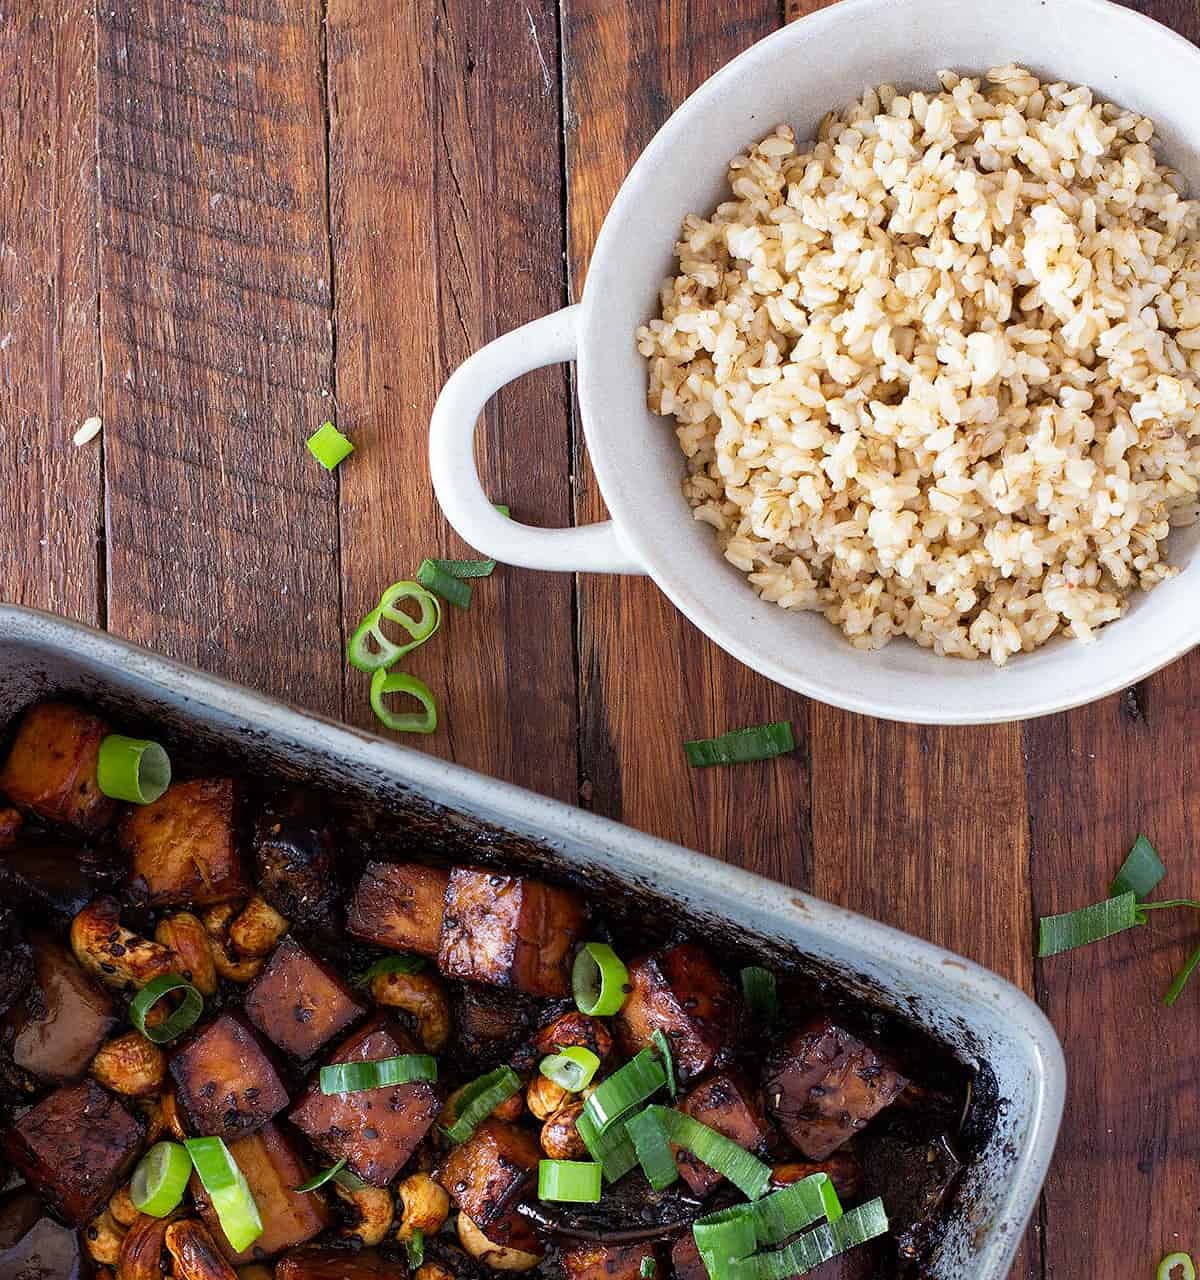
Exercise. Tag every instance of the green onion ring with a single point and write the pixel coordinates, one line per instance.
(320, 1179)
(382, 1073)
(1167, 1266)
(598, 980)
(479, 1099)
(132, 769)
(160, 1179)
(329, 446)
(384, 683)
(227, 1189)
(614, 1098)
(613, 1151)
(386, 652)
(571, 1068)
(453, 590)
(647, 1268)
(174, 1024)
(570, 1181)
(761, 993)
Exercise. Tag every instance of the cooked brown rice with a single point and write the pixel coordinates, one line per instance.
(939, 374)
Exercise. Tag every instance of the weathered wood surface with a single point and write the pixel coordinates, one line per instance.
(224, 221)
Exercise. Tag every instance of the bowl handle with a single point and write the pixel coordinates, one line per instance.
(592, 548)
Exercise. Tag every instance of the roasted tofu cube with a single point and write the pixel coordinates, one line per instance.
(272, 1169)
(826, 1084)
(843, 1168)
(400, 905)
(485, 1175)
(299, 1003)
(489, 1023)
(74, 1148)
(182, 849)
(51, 768)
(916, 1171)
(295, 861)
(339, 1264)
(725, 1103)
(64, 1019)
(681, 993)
(686, 1262)
(375, 1130)
(225, 1080)
(588, 1261)
(35, 1247)
(510, 931)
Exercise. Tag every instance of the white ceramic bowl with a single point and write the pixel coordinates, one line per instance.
(795, 76)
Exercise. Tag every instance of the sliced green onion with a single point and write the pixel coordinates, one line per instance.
(504, 511)
(175, 1024)
(160, 1179)
(760, 742)
(646, 1268)
(613, 1150)
(761, 993)
(822, 1243)
(384, 1073)
(227, 1189)
(480, 1098)
(726, 1236)
(1141, 871)
(599, 980)
(641, 1077)
(1166, 1268)
(388, 682)
(466, 568)
(660, 1042)
(571, 1069)
(1181, 978)
(571, 1181)
(351, 1181)
(329, 446)
(320, 1179)
(415, 1247)
(649, 1137)
(746, 1171)
(1088, 924)
(389, 964)
(370, 649)
(453, 590)
(785, 1212)
(132, 769)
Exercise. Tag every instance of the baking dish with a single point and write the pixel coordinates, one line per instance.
(444, 808)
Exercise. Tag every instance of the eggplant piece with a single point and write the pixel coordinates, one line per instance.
(51, 767)
(17, 971)
(11, 823)
(35, 1247)
(485, 1175)
(375, 1130)
(295, 862)
(225, 1080)
(725, 1103)
(488, 1023)
(339, 1264)
(915, 1171)
(299, 1003)
(64, 1020)
(843, 1168)
(589, 1261)
(74, 1148)
(628, 1213)
(182, 848)
(826, 1085)
(681, 993)
(272, 1169)
(51, 877)
(510, 931)
(400, 905)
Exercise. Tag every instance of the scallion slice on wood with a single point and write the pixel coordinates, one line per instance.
(415, 1247)
(761, 994)
(453, 590)
(174, 1024)
(823, 1242)
(479, 1099)
(646, 1268)
(1141, 871)
(132, 769)
(598, 980)
(386, 683)
(370, 649)
(329, 446)
(571, 1069)
(1181, 978)
(227, 1189)
(570, 1181)
(384, 1073)
(649, 1137)
(466, 568)
(1088, 924)
(1177, 1266)
(320, 1179)
(160, 1179)
(390, 964)
(661, 1043)
(746, 1171)
(640, 1078)
(761, 742)
(613, 1151)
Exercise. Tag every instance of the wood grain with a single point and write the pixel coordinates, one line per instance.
(222, 530)
(447, 232)
(50, 503)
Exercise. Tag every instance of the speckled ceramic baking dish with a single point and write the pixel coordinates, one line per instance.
(986, 1022)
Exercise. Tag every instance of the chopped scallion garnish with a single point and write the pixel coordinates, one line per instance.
(660, 1042)
(177, 1022)
(320, 1179)
(761, 742)
(823, 1242)
(385, 683)
(390, 964)
(761, 994)
(466, 568)
(160, 1179)
(571, 1069)
(329, 446)
(384, 1073)
(1141, 871)
(132, 769)
(745, 1170)
(646, 1268)
(453, 590)
(370, 649)
(479, 1099)
(415, 1247)
(571, 1181)
(228, 1190)
(614, 1098)
(1088, 924)
(649, 1137)
(1168, 1267)
(598, 980)
(1181, 978)
(613, 1150)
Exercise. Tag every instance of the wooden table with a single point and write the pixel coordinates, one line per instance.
(223, 221)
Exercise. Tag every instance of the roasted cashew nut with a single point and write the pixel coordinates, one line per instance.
(424, 1206)
(560, 1138)
(102, 1238)
(120, 959)
(493, 1255)
(122, 1208)
(130, 1065)
(195, 1252)
(432, 1271)
(229, 964)
(373, 1209)
(186, 935)
(142, 1248)
(543, 1097)
(257, 928)
(422, 996)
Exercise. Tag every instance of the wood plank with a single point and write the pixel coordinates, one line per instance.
(648, 678)
(215, 314)
(448, 231)
(49, 345)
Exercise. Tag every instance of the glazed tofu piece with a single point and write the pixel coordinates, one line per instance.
(272, 1169)
(295, 861)
(74, 1148)
(485, 1175)
(182, 849)
(843, 1168)
(588, 1261)
(400, 905)
(375, 1130)
(63, 1021)
(510, 931)
(725, 1103)
(299, 1003)
(51, 768)
(339, 1264)
(826, 1084)
(225, 1080)
(681, 993)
